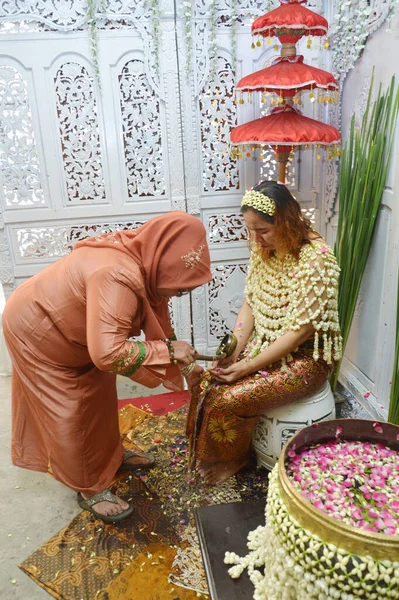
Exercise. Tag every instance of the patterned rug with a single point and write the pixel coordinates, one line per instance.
(154, 554)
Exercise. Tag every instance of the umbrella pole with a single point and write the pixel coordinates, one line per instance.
(282, 160)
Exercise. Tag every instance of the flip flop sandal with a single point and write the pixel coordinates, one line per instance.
(105, 496)
(134, 467)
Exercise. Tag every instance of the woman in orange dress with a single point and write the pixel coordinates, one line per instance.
(287, 330)
(68, 330)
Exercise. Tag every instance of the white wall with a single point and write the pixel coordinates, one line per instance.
(368, 362)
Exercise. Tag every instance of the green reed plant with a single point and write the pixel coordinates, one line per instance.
(363, 170)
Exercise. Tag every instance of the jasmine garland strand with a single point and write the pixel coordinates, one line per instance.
(212, 39)
(307, 293)
(188, 10)
(234, 18)
(94, 40)
(351, 32)
(156, 29)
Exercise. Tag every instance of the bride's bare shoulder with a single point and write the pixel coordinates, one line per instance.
(313, 236)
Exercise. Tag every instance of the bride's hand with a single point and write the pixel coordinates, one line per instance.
(223, 363)
(232, 373)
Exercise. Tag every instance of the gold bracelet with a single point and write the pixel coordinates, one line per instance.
(187, 369)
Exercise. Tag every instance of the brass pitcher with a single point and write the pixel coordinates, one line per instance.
(225, 349)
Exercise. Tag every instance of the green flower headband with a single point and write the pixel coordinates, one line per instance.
(259, 201)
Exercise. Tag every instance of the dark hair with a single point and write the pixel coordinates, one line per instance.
(292, 228)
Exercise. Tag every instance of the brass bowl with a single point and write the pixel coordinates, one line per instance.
(358, 541)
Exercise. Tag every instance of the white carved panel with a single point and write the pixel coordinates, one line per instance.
(216, 305)
(218, 116)
(6, 267)
(226, 228)
(141, 132)
(60, 15)
(79, 133)
(56, 241)
(85, 140)
(19, 165)
(310, 214)
(182, 323)
(64, 15)
(269, 168)
(201, 53)
(225, 297)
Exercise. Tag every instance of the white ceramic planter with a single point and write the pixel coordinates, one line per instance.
(276, 426)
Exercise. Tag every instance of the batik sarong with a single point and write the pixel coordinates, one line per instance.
(222, 417)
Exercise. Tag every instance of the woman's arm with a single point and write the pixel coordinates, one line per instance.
(111, 308)
(244, 327)
(242, 330)
(285, 344)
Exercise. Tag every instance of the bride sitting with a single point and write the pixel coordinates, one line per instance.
(287, 330)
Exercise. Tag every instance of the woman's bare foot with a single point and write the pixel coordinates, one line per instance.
(108, 508)
(217, 473)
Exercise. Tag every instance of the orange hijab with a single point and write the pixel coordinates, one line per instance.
(171, 253)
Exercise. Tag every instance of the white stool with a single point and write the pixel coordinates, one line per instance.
(277, 425)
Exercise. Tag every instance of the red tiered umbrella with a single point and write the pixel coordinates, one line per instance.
(286, 76)
(289, 22)
(284, 129)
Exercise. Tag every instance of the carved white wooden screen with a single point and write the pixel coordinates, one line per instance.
(75, 161)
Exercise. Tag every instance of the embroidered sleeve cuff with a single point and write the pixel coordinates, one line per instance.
(131, 359)
(139, 360)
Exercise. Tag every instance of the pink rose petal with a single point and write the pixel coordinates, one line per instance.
(291, 452)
